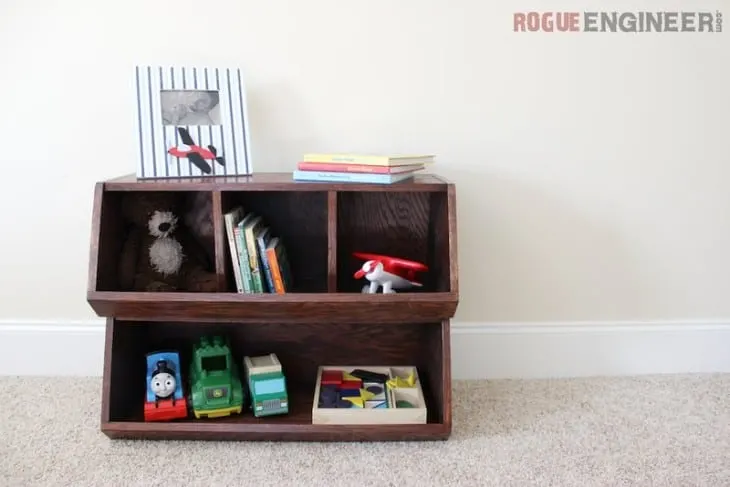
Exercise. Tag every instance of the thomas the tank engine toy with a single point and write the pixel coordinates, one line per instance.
(165, 399)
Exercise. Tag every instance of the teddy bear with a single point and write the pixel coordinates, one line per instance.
(159, 252)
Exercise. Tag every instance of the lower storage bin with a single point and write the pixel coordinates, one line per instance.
(302, 349)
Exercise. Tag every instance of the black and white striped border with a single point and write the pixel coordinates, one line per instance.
(231, 138)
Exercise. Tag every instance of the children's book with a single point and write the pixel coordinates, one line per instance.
(232, 219)
(249, 230)
(358, 168)
(279, 265)
(263, 237)
(243, 254)
(349, 177)
(369, 159)
(259, 259)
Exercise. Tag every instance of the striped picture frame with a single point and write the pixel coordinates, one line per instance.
(191, 122)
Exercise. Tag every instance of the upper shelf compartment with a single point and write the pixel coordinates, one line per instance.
(416, 226)
(129, 231)
(298, 220)
(320, 224)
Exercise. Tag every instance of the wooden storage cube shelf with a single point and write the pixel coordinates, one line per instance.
(299, 218)
(302, 348)
(324, 320)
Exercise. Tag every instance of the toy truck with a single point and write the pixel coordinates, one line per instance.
(266, 385)
(215, 382)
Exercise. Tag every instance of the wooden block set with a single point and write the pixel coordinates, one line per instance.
(399, 384)
(368, 395)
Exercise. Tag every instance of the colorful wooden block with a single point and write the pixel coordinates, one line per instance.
(346, 376)
(366, 395)
(377, 390)
(356, 401)
(370, 375)
(350, 393)
(351, 384)
(332, 377)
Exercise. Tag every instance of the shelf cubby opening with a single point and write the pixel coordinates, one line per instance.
(301, 349)
(409, 225)
(110, 271)
(299, 219)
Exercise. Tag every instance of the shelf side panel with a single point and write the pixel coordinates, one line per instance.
(220, 241)
(95, 236)
(437, 369)
(442, 242)
(108, 234)
(107, 378)
(124, 370)
(453, 240)
(332, 241)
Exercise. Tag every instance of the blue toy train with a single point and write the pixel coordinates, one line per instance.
(165, 398)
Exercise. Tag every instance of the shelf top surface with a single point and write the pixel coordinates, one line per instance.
(273, 181)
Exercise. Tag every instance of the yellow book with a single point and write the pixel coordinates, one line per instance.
(369, 159)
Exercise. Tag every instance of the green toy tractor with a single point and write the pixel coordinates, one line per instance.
(215, 384)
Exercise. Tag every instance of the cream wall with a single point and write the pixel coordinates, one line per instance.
(592, 169)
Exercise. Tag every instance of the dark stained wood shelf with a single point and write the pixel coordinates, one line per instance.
(269, 182)
(325, 320)
(294, 307)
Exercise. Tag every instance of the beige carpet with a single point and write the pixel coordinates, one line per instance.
(649, 431)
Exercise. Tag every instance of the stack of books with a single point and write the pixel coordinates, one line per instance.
(360, 168)
(260, 262)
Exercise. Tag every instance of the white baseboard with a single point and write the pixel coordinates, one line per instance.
(51, 348)
(478, 350)
(549, 350)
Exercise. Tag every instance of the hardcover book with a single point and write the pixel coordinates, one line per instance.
(369, 159)
(350, 177)
(357, 168)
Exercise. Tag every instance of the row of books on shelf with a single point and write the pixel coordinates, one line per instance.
(259, 258)
(360, 168)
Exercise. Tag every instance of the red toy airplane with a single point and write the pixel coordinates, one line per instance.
(389, 272)
(194, 153)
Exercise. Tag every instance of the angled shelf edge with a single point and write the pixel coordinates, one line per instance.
(302, 308)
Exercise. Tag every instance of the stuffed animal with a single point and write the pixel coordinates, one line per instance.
(159, 253)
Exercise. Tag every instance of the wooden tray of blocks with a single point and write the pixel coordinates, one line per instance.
(368, 395)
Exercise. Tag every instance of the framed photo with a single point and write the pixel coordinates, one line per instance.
(191, 122)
